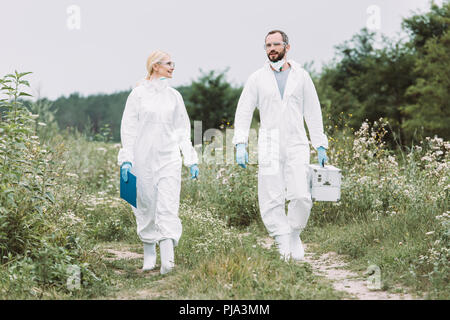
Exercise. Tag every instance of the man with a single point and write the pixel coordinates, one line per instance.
(285, 96)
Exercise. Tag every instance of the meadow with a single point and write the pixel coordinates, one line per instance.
(60, 209)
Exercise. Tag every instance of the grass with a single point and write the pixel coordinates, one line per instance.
(229, 266)
(214, 259)
(380, 243)
(393, 213)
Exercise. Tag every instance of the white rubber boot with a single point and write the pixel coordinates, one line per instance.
(297, 251)
(167, 255)
(283, 245)
(149, 256)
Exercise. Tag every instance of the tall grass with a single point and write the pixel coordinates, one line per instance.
(60, 197)
(55, 203)
(393, 210)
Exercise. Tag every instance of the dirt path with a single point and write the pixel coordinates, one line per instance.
(132, 293)
(329, 265)
(333, 267)
(122, 254)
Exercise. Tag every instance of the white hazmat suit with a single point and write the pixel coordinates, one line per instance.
(155, 127)
(283, 147)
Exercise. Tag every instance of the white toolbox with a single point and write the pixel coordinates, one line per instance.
(325, 182)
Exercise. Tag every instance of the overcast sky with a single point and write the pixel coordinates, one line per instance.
(104, 48)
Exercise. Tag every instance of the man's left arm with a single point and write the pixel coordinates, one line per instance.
(313, 113)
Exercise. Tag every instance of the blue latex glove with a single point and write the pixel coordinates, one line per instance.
(241, 155)
(322, 155)
(124, 169)
(194, 171)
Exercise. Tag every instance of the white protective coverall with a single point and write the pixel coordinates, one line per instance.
(283, 147)
(155, 127)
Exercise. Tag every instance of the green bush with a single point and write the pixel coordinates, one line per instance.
(227, 190)
(39, 237)
(393, 204)
(26, 190)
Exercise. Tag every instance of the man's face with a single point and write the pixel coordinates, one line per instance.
(275, 48)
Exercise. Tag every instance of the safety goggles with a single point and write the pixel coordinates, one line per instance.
(169, 63)
(274, 45)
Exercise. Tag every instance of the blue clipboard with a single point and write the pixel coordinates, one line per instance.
(128, 189)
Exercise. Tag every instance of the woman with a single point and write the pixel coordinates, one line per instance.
(155, 127)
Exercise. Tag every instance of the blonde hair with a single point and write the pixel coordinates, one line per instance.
(154, 57)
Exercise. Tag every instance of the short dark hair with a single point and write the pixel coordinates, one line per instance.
(284, 35)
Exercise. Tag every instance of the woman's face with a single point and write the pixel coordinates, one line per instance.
(164, 68)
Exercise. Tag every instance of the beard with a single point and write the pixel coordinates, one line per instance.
(278, 57)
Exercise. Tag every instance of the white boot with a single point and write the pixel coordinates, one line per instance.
(149, 256)
(283, 245)
(297, 251)
(167, 255)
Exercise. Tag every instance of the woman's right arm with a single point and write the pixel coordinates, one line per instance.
(128, 129)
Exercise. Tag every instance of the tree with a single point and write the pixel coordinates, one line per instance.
(91, 114)
(430, 114)
(422, 27)
(211, 99)
(368, 83)
(405, 82)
